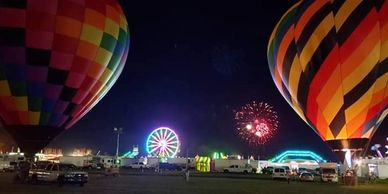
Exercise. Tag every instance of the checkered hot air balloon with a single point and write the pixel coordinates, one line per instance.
(58, 58)
(328, 58)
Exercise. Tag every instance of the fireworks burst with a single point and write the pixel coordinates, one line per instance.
(256, 123)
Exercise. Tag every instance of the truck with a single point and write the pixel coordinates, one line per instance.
(107, 161)
(79, 161)
(137, 165)
(328, 172)
(5, 166)
(59, 173)
(221, 164)
(125, 162)
(88, 162)
(239, 169)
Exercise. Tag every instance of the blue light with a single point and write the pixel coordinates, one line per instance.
(297, 153)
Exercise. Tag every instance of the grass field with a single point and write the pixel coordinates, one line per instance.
(176, 184)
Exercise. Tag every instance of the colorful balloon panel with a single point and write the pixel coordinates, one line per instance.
(329, 61)
(58, 58)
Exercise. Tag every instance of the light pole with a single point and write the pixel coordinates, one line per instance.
(118, 130)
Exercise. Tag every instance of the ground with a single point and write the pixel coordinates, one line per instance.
(147, 183)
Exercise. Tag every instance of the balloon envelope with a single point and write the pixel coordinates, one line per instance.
(58, 58)
(329, 61)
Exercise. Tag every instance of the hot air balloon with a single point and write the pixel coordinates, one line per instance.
(329, 61)
(58, 58)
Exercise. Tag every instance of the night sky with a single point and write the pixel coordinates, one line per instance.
(191, 63)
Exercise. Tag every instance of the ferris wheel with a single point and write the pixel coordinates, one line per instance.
(163, 142)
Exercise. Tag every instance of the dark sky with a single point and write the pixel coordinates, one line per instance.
(190, 64)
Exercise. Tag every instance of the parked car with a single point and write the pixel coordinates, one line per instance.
(267, 170)
(306, 176)
(138, 165)
(280, 173)
(288, 170)
(41, 164)
(300, 170)
(60, 173)
(240, 169)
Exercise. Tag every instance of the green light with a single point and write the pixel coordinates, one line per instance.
(163, 159)
(218, 155)
(203, 163)
(131, 154)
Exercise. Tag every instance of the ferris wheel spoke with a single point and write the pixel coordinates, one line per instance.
(169, 150)
(154, 141)
(165, 154)
(172, 147)
(169, 147)
(157, 135)
(167, 134)
(164, 151)
(160, 133)
(171, 134)
(154, 149)
(153, 145)
(168, 153)
(173, 142)
(173, 153)
(171, 137)
(164, 132)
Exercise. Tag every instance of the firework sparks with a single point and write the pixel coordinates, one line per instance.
(256, 123)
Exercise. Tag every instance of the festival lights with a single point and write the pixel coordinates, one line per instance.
(297, 155)
(163, 142)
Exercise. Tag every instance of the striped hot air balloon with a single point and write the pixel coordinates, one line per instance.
(328, 58)
(58, 58)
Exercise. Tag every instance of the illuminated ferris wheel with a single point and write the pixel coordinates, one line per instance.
(163, 142)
